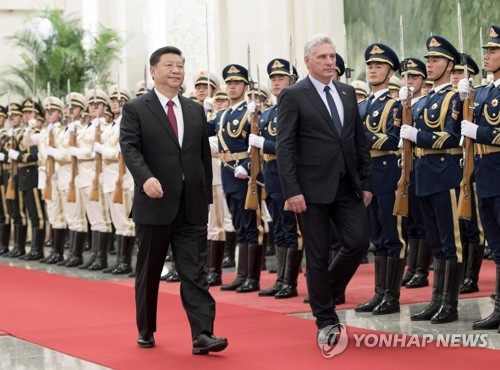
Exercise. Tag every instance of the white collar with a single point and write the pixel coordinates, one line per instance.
(164, 100)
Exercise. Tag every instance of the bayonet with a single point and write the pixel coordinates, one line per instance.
(70, 101)
(208, 55)
(250, 81)
(483, 71)
(348, 71)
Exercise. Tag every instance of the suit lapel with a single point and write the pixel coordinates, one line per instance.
(188, 117)
(312, 94)
(154, 105)
(345, 100)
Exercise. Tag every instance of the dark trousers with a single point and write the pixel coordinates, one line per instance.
(414, 223)
(284, 222)
(34, 206)
(489, 210)
(189, 247)
(246, 224)
(385, 233)
(439, 221)
(16, 208)
(349, 215)
(4, 212)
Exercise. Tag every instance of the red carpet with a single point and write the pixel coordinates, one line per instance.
(359, 290)
(94, 320)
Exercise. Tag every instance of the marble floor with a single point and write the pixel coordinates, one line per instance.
(18, 354)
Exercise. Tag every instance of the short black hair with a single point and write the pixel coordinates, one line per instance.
(155, 57)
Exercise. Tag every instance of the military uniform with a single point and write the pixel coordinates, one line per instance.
(232, 127)
(4, 212)
(437, 175)
(381, 131)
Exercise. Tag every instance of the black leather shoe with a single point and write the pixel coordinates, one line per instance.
(205, 343)
(172, 276)
(417, 281)
(306, 299)
(146, 342)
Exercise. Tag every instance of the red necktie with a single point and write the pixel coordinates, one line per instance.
(171, 117)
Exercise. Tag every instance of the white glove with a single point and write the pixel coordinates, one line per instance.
(464, 88)
(409, 132)
(95, 122)
(240, 172)
(53, 152)
(251, 107)
(13, 154)
(119, 148)
(32, 123)
(71, 127)
(208, 105)
(403, 94)
(2, 157)
(256, 141)
(98, 148)
(469, 129)
(74, 152)
(11, 132)
(50, 126)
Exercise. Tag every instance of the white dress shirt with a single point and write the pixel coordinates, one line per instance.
(177, 110)
(320, 87)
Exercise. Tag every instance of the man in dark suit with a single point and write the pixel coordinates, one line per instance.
(325, 171)
(165, 145)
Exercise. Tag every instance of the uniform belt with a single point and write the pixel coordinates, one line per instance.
(86, 160)
(374, 153)
(269, 157)
(6, 166)
(107, 162)
(63, 163)
(28, 164)
(229, 157)
(483, 149)
(422, 152)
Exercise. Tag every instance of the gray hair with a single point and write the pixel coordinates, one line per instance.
(317, 39)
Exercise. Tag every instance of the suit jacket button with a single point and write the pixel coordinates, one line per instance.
(442, 159)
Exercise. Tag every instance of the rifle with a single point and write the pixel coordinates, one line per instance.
(464, 208)
(11, 193)
(118, 194)
(47, 191)
(401, 207)
(348, 70)
(94, 190)
(227, 165)
(74, 160)
(252, 200)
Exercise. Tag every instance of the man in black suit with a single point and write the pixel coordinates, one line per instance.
(164, 143)
(325, 171)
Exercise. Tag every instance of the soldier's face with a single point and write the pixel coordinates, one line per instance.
(221, 104)
(492, 60)
(201, 91)
(378, 73)
(115, 106)
(321, 62)
(27, 116)
(94, 112)
(15, 120)
(415, 82)
(169, 72)
(235, 89)
(2, 121)
(437, 67)
(278, 83)
(52, 115)
(456, 76)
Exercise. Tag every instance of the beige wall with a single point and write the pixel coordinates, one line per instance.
(233, 24)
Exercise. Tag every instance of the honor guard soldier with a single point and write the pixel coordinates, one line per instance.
(232, 128)
(116, 178)
(394, 86)
(27, 163)
(458, 72)
(14, 196)
(45, 140)
(428, 85)
(288, 249)
(362, 90)
(4, 212)
(419, 253)
(381, 133)
(437, 175)
(201, 89)
(90, 186)
(485, 131)
(140, 88)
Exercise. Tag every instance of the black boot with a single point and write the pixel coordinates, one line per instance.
(78, 245)
(19, 242)
(119, 256)
(57, 243)
(101, 260)
(229, 252)
(448, 310)
(172, 275)
(292, 268)
(4, 239)
(437, 293)
(281, 253)
(37, 241)
(94, 248)
(411, 260)
(242, 269)
(421, 277)
(390, 301)
(492, 321)
(269, 243)
(71, 239)
(475, 259)
(125, 263)
(252, 282)
(380, 285)
(214, 277)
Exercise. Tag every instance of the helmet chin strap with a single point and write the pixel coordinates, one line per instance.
(385, 79)
(444, 71)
